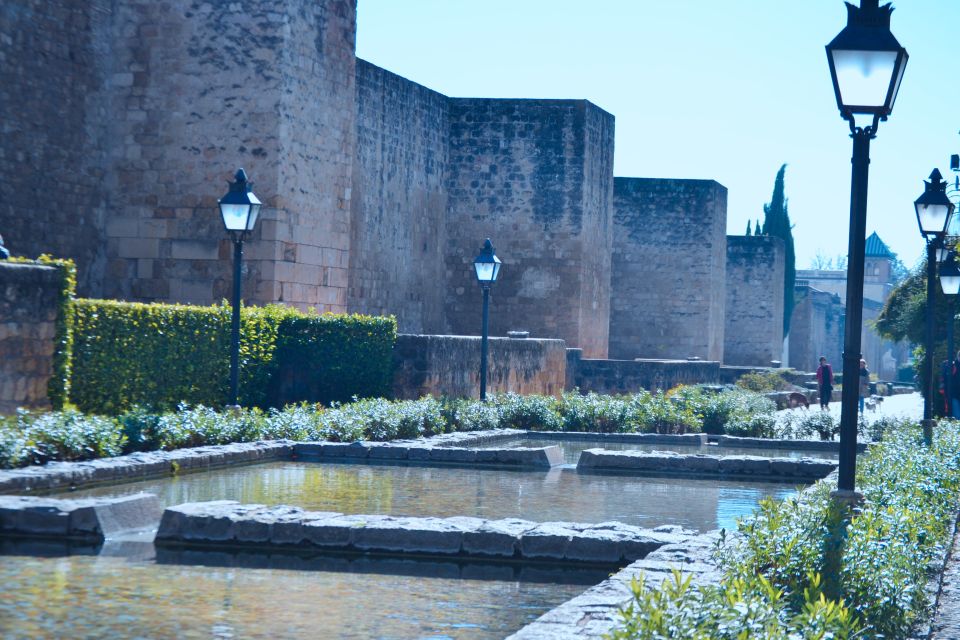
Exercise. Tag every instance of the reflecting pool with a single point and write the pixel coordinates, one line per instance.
(121, 597)
(559, 494)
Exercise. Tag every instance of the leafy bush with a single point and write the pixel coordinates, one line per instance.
(658, 413)
(601, 414)
(763, 381)
(160, 355)
(733, 411)
(805, 568)
(820, 423)
(58, 435)
(460, 414)
(532, 413)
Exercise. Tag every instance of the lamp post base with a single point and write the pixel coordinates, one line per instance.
(848, 499)
(928, 426)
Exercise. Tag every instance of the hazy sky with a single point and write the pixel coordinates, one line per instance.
(703, 89)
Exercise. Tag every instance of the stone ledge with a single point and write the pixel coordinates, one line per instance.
(230, 523)
(665, 463)
(88, 520)
(60, 476)
(796, 445)
(687, 439)
(431, 452)
(597, 611)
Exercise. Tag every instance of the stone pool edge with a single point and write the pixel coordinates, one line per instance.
(677, 465)
(230, 524)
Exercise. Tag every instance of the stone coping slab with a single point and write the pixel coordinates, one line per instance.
(425, 452)
(666, 463)
(475, 438)
(61, 476)
(229, 523)
(795, 445)
(88, 520)
(597, 610)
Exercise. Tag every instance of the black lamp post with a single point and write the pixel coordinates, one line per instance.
(487, 266)
(866, 65)
(239, 209)
(933, 215)
(950, 283)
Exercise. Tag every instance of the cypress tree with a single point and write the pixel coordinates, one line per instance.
(756, 229)
(776, 222)
(749, 232)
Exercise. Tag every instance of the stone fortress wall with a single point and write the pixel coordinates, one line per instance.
(754, 314)
(123, 120)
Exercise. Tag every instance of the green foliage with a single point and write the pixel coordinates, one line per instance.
(806, 568)
(532, 413)
(735, 412)
(60, 435)
(821, 423)
(58, 389)
(160, 355)
(603, 414)
(763, 381)
(776, 222)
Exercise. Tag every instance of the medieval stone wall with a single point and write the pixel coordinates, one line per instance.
(399, 201)
(53, 78)
(29, 303)
(753, 334)
(816, 329)
(519, 172)
(250, 84)
(668, 285)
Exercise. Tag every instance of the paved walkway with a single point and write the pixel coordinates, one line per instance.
(909, 405)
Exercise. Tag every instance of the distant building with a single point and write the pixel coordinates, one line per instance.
(883, 357)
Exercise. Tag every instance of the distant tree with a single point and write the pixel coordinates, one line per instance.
(776, 222)
(749, 232)
(821, 262)
(756, 229)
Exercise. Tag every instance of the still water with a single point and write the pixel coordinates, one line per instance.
(559, 494)
(573, 448)
(115, 597)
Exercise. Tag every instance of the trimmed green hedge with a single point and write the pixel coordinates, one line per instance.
(58, 389)
(161, 355)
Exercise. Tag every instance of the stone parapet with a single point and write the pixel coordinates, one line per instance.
(450, 366)
(87, 520)
(29, 303)
(665, 463)
(60, 476)
(629, 376)
(225, 523)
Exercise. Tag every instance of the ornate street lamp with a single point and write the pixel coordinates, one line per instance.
(487, 267)
(933, 209)
(866, 65)
(239, 209)
(950, 283)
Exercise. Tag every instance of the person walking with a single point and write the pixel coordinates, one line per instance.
(955, 387)
(825, 383)
(864, 389)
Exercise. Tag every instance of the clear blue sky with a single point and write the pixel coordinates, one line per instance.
(703, 89)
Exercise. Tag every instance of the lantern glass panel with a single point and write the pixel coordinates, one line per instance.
(864, 77)
(235, 216)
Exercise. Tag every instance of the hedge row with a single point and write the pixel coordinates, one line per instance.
(160, 355)
(804, 568)
(70, 435)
